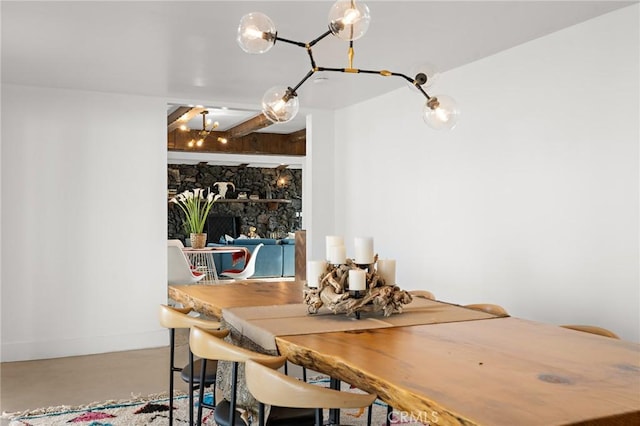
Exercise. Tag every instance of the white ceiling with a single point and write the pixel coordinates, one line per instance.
(187, 51)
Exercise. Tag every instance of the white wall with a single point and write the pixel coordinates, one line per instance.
(83, 222)
(532, 201)
(318, 203)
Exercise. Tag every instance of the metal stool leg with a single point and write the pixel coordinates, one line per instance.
(334, 413)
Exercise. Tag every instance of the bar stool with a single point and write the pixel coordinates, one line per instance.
(425, 294)
(177, 318)
(274, 388)
(208, 346)
(592, 329)
(489, 308)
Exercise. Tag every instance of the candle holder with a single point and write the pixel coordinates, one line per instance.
(334, 294)
(356, 294)
(369, 267)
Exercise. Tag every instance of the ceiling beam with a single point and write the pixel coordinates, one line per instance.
(180, 116)
(179, 112)
(257, 122)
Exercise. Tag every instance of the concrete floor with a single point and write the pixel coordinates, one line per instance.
(81, 380)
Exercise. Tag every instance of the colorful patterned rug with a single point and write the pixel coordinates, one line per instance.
(154, 410)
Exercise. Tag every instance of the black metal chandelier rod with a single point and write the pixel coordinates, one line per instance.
(348, 20)
(299, 43)
(314, 68)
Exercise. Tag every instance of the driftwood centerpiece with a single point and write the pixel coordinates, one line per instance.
(333, 292)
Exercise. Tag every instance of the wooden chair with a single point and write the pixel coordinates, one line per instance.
(273, 388)
(177, 318)
(593, 330)
(488, 308)
(208, 346)
(249, 267)
(425, 294)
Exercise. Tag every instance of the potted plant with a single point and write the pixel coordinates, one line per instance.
(196, 209)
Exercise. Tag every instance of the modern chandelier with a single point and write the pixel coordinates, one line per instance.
(204, 133)
(348, 20)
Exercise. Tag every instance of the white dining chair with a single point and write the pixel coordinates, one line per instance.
(249, 268)
(179, 269)
(176, 243)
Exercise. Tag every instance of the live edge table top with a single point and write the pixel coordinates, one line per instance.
(501, 371)
(212, 299)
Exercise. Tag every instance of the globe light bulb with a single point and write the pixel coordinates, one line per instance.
(256, 33)
(441, 112)
(279, 105)
(351, 16)
(348, 19)
(424, 75)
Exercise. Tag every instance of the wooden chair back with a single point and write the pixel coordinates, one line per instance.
(206, 344)
(489, 308)
(274, 388)
(177, 318)
(593, 330)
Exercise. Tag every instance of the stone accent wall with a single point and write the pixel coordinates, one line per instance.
(264, 182)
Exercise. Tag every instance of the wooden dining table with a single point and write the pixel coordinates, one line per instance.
(467, 370)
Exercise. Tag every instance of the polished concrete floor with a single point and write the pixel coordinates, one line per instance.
(81, 380)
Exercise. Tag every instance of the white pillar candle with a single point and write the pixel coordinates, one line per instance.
(337, 255)
(315, 269)
(387, 270)
(364, 250)
(332, 240)
(357, 280)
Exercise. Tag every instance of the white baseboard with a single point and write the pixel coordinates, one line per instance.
(27, 351)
